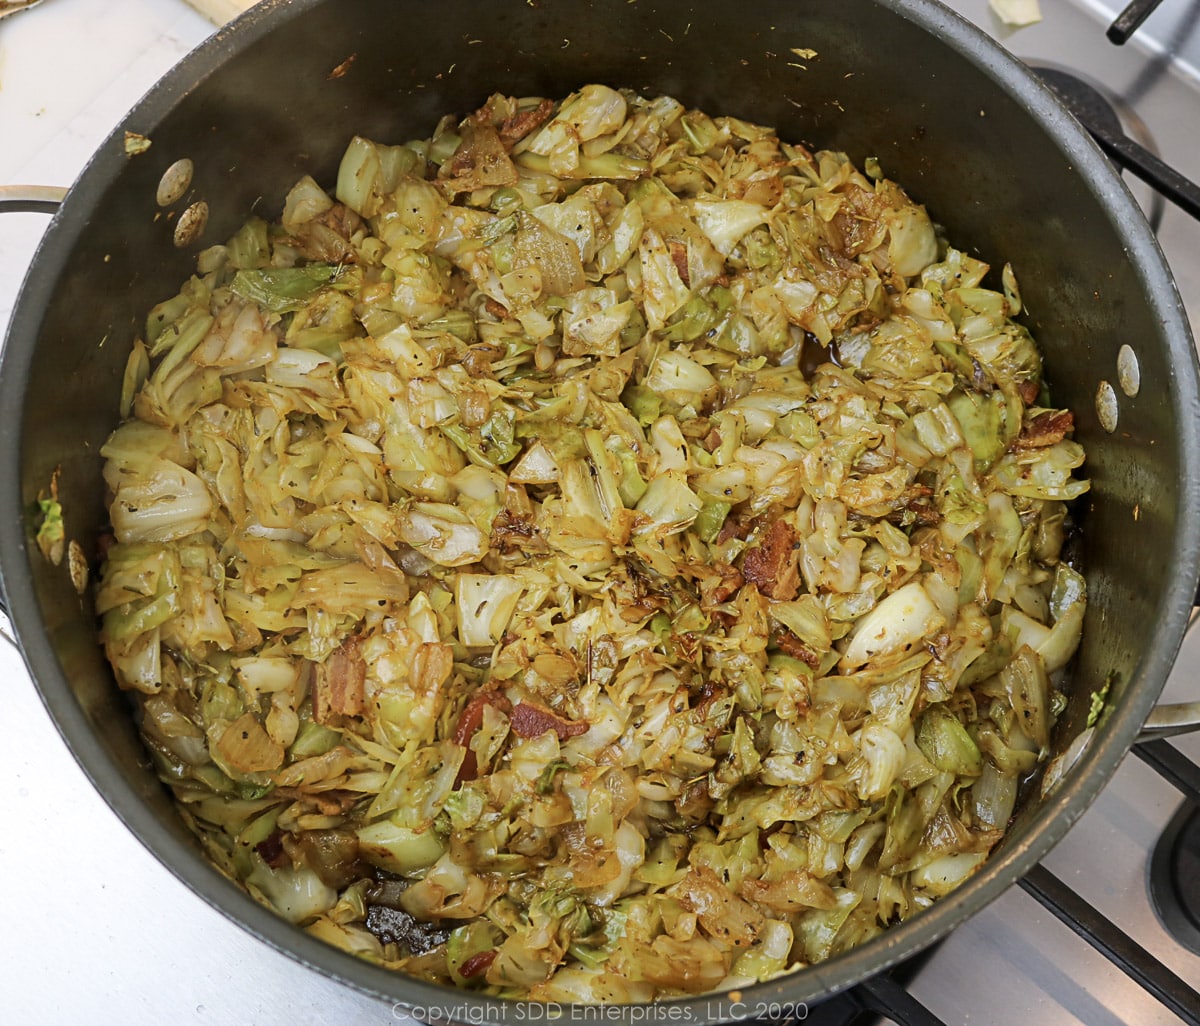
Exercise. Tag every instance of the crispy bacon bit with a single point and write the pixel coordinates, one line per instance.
(340, 679)
(737, 525)
(712, 440)
(496, 309)
(469, 721)
(789, 644)
(773, 563)
(679, 258)
(723, 619)
(723, 586)
(1028, 391)
(529, 720)
(478, 963)
(1046, 429)
(525, 121)
(271, 850)
(919, 511)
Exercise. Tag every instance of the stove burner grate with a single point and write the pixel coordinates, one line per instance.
(1095, 112)
(1175, 877)
(1130, 20)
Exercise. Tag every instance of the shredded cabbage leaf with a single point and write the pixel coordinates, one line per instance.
(598, 552)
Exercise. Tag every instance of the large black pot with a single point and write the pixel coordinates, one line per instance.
(964, 127)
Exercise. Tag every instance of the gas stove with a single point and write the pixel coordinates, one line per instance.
(98, 931)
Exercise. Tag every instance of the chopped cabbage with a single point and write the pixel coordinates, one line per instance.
(617, 541)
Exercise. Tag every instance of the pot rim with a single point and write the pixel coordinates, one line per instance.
(1048, 824)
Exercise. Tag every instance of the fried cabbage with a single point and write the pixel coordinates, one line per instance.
(621, 543)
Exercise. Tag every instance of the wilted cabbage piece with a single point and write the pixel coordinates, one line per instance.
(599, 552)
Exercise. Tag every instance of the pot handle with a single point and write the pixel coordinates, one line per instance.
(27, 199)
(35, 199)
(1171, 718)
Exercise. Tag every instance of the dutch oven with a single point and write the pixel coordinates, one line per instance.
(964, 127)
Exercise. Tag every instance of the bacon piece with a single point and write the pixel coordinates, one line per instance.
(737, 525)
(496, 309)
(469, 721)
(679, 258)
(791, 645)
(773, 563)
(525, 121)
(722, 618)
(1045, 429)
(529, 720)
(478, 963)
(719, 583)
(340, 679)
(271, 851)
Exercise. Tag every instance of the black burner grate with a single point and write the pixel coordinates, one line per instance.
(1093, 110)
(1130, 19)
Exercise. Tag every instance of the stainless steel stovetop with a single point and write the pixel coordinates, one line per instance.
(97, 931)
